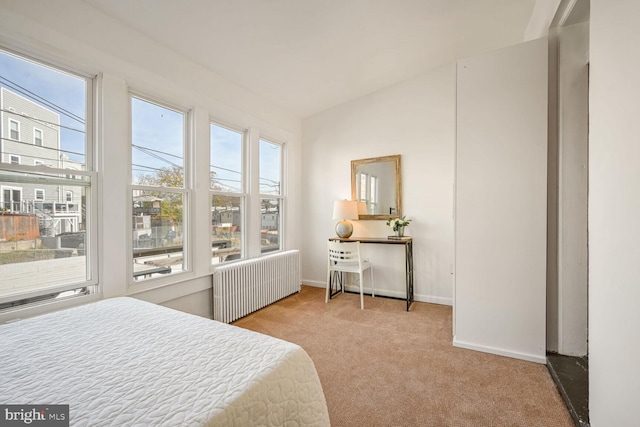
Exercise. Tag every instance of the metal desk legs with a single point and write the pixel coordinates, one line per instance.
(409, 272)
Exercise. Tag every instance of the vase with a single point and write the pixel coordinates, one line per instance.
(400, 232)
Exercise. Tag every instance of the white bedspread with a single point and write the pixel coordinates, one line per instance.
(125, 362)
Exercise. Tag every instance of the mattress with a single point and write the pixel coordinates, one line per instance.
(125, 362)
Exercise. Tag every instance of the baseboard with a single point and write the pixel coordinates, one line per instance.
(501, 352)
(392, 294)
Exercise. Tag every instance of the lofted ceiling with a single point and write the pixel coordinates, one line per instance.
(310, 55)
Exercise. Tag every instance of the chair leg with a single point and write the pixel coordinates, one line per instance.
(361, 292)
(326, 297)
(372, 291)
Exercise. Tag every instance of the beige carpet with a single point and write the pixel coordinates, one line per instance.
(383, 366)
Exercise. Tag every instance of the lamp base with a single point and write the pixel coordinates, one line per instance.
(344, 229)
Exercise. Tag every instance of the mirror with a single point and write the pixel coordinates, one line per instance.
(378, 182)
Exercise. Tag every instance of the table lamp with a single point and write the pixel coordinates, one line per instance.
(344, 210)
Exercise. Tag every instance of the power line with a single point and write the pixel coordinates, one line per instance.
(151, 153)
(37, 120)
(140, 147)
(43, 147)
(49, 104)
(146, 168)
(224, 169)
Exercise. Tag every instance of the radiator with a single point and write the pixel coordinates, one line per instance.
(242, 287)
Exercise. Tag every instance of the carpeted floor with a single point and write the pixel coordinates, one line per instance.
(383, 366)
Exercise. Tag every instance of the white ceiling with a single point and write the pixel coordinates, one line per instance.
(310, 55)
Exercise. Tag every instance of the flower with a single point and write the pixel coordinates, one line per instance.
(398, 222)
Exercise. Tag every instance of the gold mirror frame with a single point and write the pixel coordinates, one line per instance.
(395, 159)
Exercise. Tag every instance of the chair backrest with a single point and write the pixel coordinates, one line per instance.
(344, 252)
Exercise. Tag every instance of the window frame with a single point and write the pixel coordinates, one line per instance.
(12, 121)
(10, 188)
(281, 197)
(35, 138)
(14, 156)
(35, 194)
(136, 286)
(89, 182)
(243, 195)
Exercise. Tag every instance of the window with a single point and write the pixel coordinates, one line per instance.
(37, 137)
(68, 196)
(271, 195)
(55, 105)
(228, 196)
(14, 130)
(367, 190)
(159, 190)
(11, 199)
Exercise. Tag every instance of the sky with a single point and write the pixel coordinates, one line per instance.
(61, 92)
(157, 131)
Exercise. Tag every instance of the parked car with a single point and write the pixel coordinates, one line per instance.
(73, 239)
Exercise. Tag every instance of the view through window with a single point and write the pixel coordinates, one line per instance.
(228, 195)
(271, 196)
(159, 195)
(44, 229)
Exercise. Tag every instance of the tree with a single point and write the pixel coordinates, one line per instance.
(173, 177)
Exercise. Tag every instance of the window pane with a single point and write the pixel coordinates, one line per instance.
(270, 161)
(43, 231)
(54, 102)
(37, 137)
(226, 160)
(42, 239)
(270, 225)
(362, 187)
(14, 130)
(158, 135)
(158, 233)
(226, 228)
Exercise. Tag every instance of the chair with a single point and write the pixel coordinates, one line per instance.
(344, 257)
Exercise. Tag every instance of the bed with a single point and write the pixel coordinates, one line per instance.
(126, 362)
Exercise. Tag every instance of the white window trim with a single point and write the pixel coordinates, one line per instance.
(35, 194)
(66, 196)
(11, 130)
(243, 194)
(35, 139)
(133, 286)
(282, 197)
(91, 196)
(9, 187)
(14, 156)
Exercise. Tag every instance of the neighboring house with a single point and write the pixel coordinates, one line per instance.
(415, 118)
(31, 136)
(270, 221)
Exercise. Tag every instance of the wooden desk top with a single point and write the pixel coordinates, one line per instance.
(386, 240)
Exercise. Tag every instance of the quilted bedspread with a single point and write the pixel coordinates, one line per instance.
(124, 362)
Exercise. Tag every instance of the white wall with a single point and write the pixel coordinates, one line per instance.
(415, 119)
(501, 202)
(614, 214)
(74, 35)
(572, 261)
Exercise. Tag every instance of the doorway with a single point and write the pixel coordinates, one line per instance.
(567, 275)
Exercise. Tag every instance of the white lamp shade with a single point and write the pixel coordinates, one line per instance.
(345, 209)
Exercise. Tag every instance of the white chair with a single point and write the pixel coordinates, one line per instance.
(345, 257)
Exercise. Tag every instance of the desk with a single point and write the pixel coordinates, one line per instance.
(408, 251)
